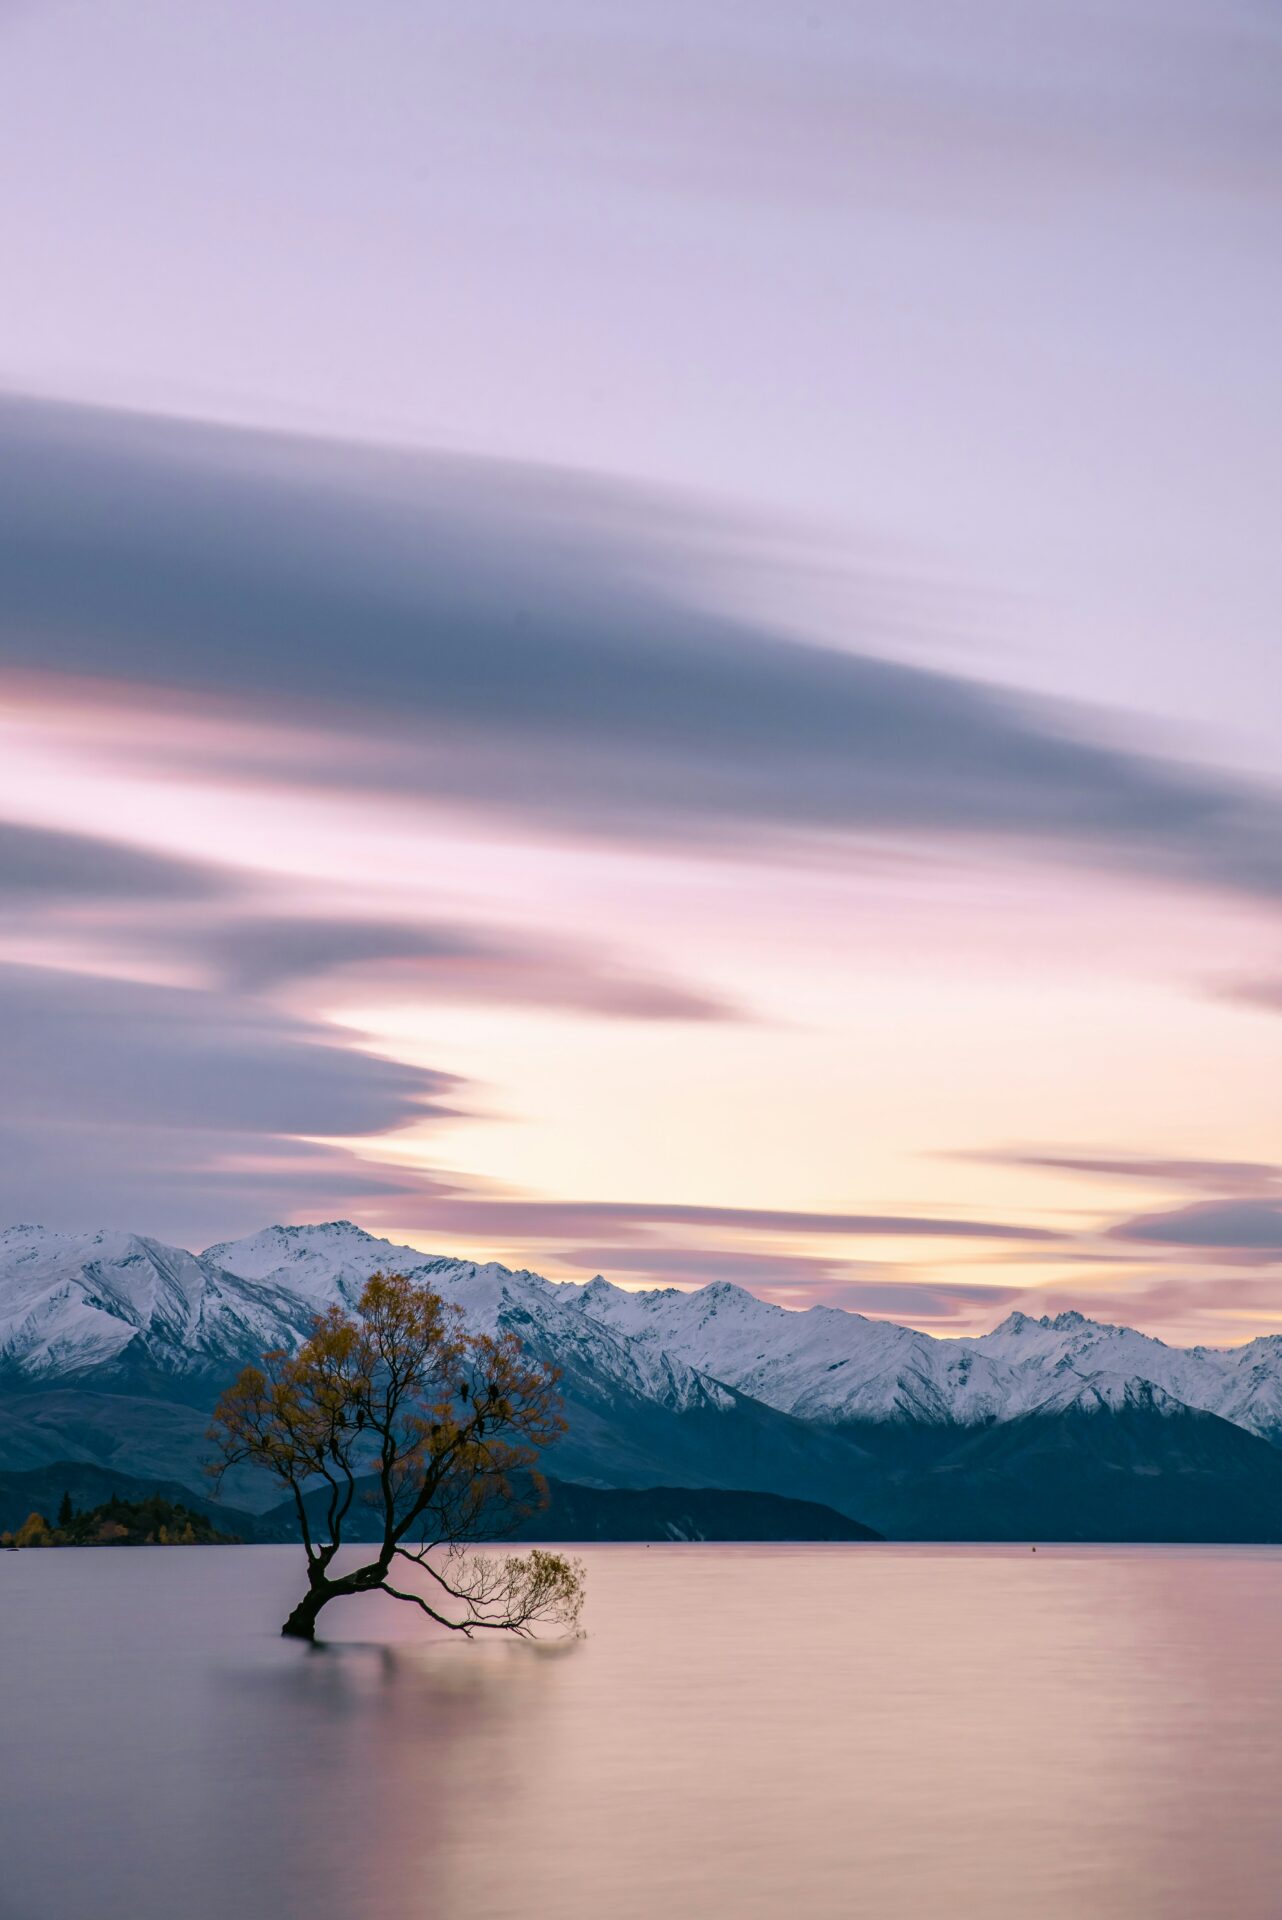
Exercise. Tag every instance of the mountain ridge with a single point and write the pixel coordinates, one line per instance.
(114, 1346)
(78, 1305)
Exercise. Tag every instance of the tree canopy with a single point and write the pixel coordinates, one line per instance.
(399, 1407)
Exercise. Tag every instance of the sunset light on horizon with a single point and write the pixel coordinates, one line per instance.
(600, 782)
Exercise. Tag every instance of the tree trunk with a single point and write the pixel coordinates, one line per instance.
(301, 1624)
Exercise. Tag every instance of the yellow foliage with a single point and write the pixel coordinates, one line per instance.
(399, 1408)
(34, 1532)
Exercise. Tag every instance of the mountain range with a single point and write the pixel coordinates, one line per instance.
(113, 1347)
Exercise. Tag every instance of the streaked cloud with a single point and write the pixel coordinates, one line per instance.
(542, 777)
(441, 961)
(1248, 1176)
(560, 1219)
(1248, 1226)
(111, 1052)
(533, 646)
(172, 1111)
(1261, 991)
(42, 866)
(186, 1185)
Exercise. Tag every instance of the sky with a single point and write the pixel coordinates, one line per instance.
(646, 640)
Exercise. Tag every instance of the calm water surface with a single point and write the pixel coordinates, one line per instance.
(811, 1731)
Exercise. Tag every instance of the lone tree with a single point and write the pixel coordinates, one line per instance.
(398, 1409)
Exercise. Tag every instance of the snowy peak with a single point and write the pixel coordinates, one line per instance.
(1016, 1323)
(324, 1264)
(1020, 1323)
(837, 1368)
(72, 1305)
(73, 1301)
(331, 1263)
(821, 1365)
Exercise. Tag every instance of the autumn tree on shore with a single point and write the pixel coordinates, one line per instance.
(396, 1411)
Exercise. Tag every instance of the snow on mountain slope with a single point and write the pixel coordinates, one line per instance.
(324, 1265)
(822, 1364)
(1252, 1391)
(71, 1304)
(826, 1364)
(75, 1305)
(1241, 1384)
(332, 1262)
(1111, 1393)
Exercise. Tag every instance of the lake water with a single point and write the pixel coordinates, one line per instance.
(1076, 1734)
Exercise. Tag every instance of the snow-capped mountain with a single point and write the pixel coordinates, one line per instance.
(331, 1263)
(829, 1365)
(89, 1306)
(1240, 1384)
(113, 1346)
(110, 1304)
(72, 1304)
(822, 1365)
(322, 1264)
